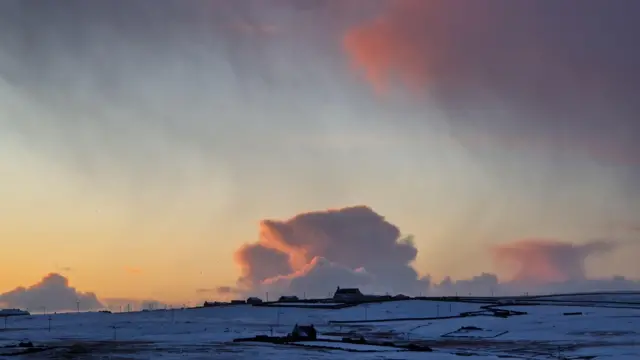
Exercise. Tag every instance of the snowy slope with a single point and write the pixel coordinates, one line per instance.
(544, 332)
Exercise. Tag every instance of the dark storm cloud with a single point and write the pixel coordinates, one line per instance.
(557, 74)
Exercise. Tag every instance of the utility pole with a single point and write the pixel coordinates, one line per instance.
(78, 305)
(278, 318)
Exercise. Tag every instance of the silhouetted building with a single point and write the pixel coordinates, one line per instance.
(288, 298)
(13, 312)
(254, 300)
(348, 294)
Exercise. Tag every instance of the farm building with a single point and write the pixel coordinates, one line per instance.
(348, 294)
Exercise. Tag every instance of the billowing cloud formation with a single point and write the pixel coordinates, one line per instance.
(53, 293)
(546, 261)
(314, 252)
(321, 276)
(548, 72)
(260, 262)
(540, 266)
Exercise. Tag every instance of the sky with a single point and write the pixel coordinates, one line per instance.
(176, 151)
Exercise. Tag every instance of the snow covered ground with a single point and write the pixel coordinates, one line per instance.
(545, 332)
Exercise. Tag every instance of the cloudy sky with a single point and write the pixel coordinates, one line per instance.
(158, 149)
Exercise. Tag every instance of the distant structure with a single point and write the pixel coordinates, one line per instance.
(238, 302)
(212, 304)
(13, 312)
(254, 300)
(304, 332)
(286, 298)
(348, 295)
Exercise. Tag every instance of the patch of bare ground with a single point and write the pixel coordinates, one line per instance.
(12, 329)
(92, 349)
(528, 349)
(603, 334)
(374, 335)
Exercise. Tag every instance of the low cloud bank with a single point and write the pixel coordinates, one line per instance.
(50, 294)
(313, 253)
(54, 294)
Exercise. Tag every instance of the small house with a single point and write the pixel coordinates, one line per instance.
(254, 300)
(348, 294)
(285, 298)
(13, 312)
(211, 304)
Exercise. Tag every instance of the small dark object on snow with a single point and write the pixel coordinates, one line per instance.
(572, 313)
(78, 349)
(25, 344)
(304, 332)
(286, 298)
(469, 328)
(354, 340)
(416, 347)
